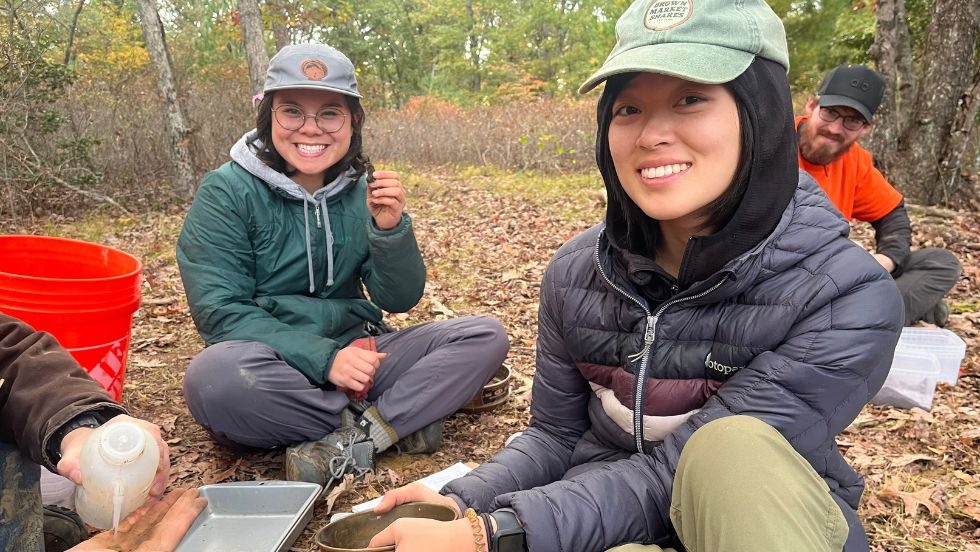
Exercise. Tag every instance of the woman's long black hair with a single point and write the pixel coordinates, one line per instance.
(630, 226)
(355, 157)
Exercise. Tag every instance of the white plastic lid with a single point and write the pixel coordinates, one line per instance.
(122, 443)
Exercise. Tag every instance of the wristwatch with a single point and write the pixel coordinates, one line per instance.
(509, 536)
(85, 419)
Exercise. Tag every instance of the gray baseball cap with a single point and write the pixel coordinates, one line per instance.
(313, 67)
(707, 41)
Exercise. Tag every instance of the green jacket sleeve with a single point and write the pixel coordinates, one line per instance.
(217, 266)
(394, 273)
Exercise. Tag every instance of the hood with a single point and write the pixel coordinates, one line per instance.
(244, 152)
(772, 180)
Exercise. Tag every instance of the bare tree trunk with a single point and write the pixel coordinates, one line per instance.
(963, 129)
(280, 25)
(258, 58)
(280, 33)
(180, 133)
(476, 82)
(906, 67)
(886, 53)
(924, 168)
(71, 30)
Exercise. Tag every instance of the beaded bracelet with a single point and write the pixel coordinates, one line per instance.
(477, 525)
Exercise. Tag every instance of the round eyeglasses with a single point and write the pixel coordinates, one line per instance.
(849, 121)
(291, 118)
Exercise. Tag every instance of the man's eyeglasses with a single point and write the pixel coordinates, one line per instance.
(850, 122)
(291, 117)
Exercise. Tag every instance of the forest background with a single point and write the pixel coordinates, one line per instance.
(124, 104)
(112, 110)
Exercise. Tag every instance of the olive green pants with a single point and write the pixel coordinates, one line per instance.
(740, 486)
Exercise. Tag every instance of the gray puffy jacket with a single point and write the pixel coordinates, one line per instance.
(798, 332)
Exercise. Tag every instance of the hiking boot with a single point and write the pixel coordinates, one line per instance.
(424, 441)
(326, 461)
(938, 315)
(63, 529)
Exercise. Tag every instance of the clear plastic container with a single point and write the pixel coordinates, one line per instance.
(911, 381)
(118, 464)
(948, 348)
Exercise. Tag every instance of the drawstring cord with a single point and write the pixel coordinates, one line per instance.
(309, 253)
(329, 237)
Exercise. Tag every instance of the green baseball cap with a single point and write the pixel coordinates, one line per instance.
(707, 41)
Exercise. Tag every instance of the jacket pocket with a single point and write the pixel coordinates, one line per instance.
(326, 317)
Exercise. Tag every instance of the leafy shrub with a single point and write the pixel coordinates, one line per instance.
(42, 165)
(544, 134)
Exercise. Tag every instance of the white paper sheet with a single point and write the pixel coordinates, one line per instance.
(435, 481)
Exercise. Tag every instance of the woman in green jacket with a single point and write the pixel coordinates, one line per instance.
(288, 255)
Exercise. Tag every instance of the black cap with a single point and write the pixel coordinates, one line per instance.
(854, 86)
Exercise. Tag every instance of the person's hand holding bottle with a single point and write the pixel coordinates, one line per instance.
(73, 443)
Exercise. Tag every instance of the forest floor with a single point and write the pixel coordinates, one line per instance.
(487, 238)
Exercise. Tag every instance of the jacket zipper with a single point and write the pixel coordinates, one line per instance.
(316, 209)
(649, 336)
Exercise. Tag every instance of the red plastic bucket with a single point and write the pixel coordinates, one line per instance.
(84, 294)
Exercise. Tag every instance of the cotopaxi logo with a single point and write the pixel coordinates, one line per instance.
(719, 367)
(667, 14)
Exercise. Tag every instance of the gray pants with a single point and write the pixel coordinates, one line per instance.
(21, 519)
(926, 278)
(244, 393)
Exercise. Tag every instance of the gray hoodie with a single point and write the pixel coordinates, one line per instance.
(245, 151)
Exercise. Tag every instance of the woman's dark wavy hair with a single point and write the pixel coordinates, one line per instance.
(355, 155)
(636, 231)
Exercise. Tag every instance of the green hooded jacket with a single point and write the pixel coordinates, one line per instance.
(264, 260)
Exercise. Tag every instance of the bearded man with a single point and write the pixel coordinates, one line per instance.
(837, 116)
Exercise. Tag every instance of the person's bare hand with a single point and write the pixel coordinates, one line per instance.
(354, 368)
(157, 526)
(885, 261)
(428, 535)
(72, 444)
(414, 492)
(386, 199)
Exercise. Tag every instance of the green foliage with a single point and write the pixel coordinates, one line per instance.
(470, 52)
(854, 33)
(918, 14)
(449, 81)
(108, 44)
(811, 28)
(204, 39)
(36, 148)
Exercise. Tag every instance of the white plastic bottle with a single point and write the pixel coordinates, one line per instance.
(118, 464)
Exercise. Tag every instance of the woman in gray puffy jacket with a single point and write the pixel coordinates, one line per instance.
(700, 350)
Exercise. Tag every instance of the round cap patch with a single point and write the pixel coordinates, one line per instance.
(313, 69)
(667, 14)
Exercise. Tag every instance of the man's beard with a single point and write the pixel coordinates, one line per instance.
(822, 152)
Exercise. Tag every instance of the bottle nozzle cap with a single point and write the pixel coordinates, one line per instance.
(118, 495)
(122, 443)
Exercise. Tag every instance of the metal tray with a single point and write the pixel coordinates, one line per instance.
(251, 516)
